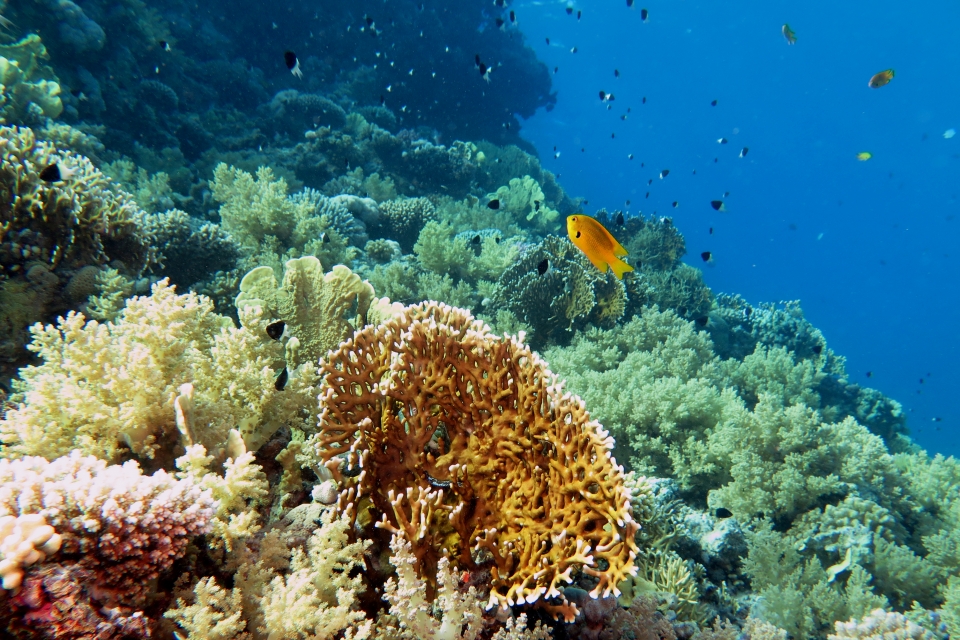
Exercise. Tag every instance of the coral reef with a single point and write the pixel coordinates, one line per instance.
(168, 370)
(461, 439)
(29, 89)
(565, 297)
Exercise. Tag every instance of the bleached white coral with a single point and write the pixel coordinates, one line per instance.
(214, 614)
(453, 615)
(881, 625)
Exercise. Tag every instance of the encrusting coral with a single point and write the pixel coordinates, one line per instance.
(463, 443)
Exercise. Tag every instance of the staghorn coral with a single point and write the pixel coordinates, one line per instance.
(125, 382)
(320, 309)
(569, 294)
(467, 446)
(29, 89)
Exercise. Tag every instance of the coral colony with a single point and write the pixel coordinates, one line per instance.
(274, 359)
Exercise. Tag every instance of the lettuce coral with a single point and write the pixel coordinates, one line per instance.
(465, 443)
(524, 198)
(168, 370)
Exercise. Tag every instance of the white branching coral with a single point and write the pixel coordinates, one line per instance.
(238, 491)
(214, 614)
(316, 598)
(453, 615)
(881, 625)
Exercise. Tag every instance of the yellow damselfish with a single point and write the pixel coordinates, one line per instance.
(601, 248)
(863, 156)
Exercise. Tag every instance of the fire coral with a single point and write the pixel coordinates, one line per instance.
(464, 443)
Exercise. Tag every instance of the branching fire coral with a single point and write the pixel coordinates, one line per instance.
(464, 442)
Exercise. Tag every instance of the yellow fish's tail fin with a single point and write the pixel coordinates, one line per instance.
(619, 267)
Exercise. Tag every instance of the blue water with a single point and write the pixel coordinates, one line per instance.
(870, 248)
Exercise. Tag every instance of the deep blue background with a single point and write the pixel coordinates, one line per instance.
(870, 248)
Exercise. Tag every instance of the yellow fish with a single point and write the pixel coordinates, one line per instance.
(863, 156)
(880, 79)
(601, 248)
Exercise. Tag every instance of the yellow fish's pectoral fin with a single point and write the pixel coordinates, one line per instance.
(619, 267)
(618, 249)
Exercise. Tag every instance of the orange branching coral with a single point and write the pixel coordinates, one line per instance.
(464, 443)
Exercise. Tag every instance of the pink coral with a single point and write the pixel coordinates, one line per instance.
(120, 530)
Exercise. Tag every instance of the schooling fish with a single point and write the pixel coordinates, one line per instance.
(880, 79)
(597, 244)
(789, 34)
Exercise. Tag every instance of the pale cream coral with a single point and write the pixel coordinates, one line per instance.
(106, 386)
(320, 309)
(24, 540)
(881, 625)
(213, 614)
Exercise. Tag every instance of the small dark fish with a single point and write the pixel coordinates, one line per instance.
(722, 140)
(616, 73)
(164, 45)
(603, 94)
(718, 205)
(707, 256)
(644, 14)
(500, 3)
(325, 237)
(369, 20)
(536, 205)
(574, 50)
(724, 513)
(628, 203)
(921, 380)
(936, 419)
(542, 266)
(818, 349)
(351, 472)
(788, 34)
(613, 135)
(664, 173)
(744, 152)
(555, 69)
(437, 484)
(483, 69)
(619, 220)
(713, 103)
(569, 10)
(630, 3)
(629, 156)
(869, 374)
(648, 195)
(702, 321)
(476, 59)
(644, 99)
(880, 79)
(748, 311)
(281, 380)
(275, 329)
(476, 239)
(494, 204)
(500, 23)
(290, 58)
(51, 173)
(579, 14)
(711, 230)
(548, 41)
(513, 17)
(675, 204)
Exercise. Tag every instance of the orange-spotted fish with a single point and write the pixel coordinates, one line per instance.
(601, 248)
(880, 79)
